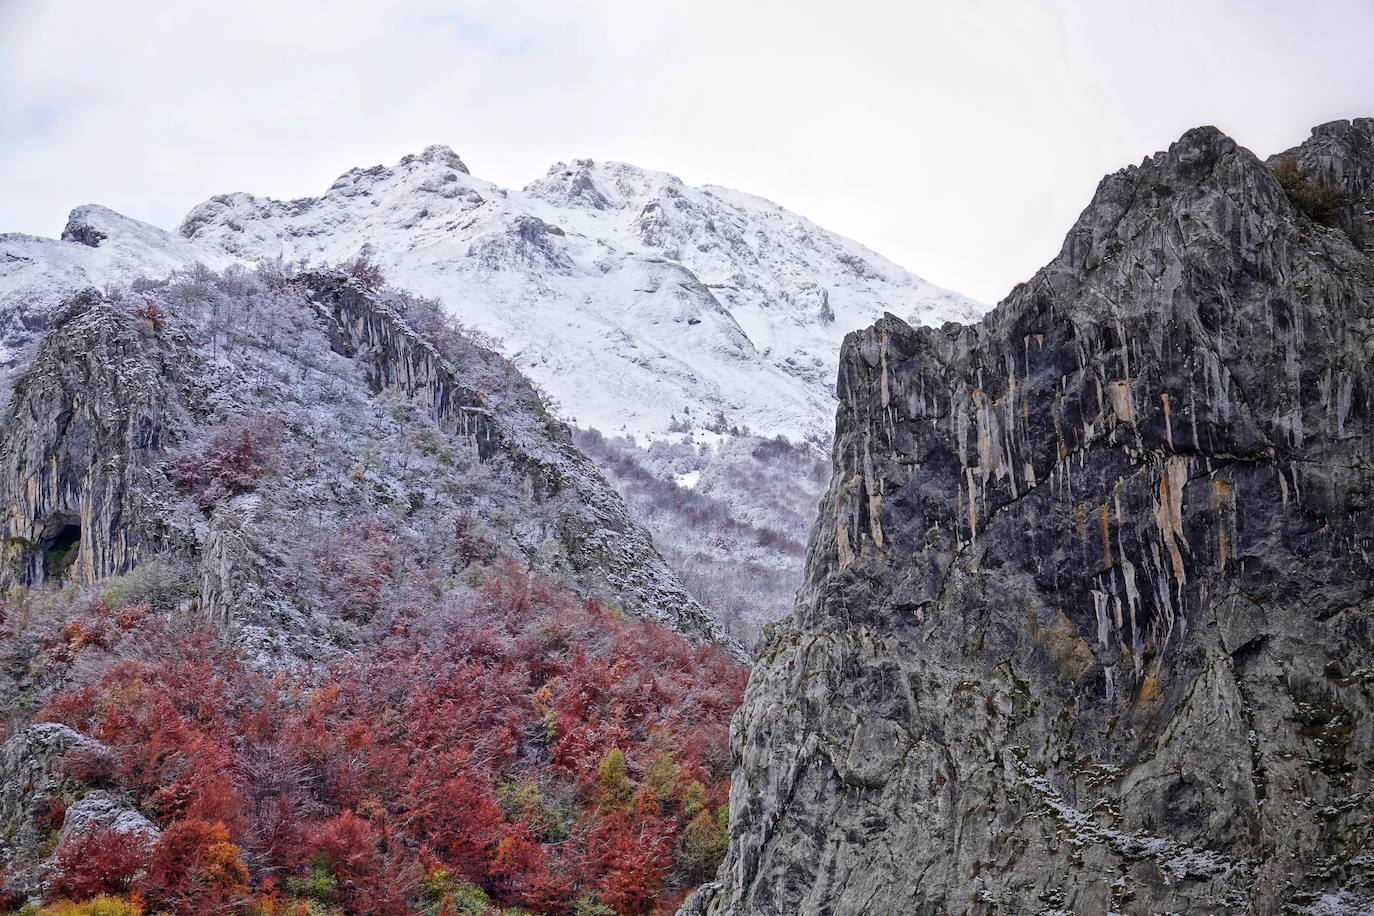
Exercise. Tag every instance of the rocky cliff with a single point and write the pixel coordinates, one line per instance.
(254, 429)
(1087, 618)
(83, 428)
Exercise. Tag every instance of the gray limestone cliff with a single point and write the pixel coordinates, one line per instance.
(1089, 607)
(82, 430)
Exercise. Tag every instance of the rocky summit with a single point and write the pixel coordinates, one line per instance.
(1087, 619)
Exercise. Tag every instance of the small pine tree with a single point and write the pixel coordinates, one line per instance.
(702, 844)
(616, 791)
(661, 775)
(694, 799)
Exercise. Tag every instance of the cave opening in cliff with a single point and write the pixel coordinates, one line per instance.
(60, 550)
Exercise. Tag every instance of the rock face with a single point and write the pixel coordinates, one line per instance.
(1087, 623)
(32, 778)
(1340, 155)
(98, 809)
(83, 431)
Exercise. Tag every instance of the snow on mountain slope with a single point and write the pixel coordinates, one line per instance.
(637, 301)
(647, 307)
(98, 247)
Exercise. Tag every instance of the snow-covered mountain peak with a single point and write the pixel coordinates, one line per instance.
(431, 171)
(98, 247)
(422, 194)
(602, 185)
(643, 304)
(440, 154)
(92, 224)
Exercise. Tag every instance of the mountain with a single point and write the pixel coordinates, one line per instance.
(309, 602)
(1087, 618)
(645, 306)
(201, 419)
(653, 313)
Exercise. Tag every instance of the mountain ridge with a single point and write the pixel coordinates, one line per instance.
(698, 299)
(689, 283)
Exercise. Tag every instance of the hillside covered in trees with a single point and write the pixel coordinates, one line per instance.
(311, 606)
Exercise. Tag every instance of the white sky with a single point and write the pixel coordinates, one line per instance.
(959, 138)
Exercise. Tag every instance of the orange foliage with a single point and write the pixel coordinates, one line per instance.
(466, 742)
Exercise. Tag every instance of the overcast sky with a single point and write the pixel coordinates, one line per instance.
(958, 138)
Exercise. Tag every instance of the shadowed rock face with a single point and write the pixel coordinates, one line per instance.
(1087, 618)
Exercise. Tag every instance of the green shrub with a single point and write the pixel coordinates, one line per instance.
(662, 773)
(587, 906)
(694, 799)
(320, 884)
(525, 802)
(702, 844)
(616, 791)
(1319, 202)
(445, 893)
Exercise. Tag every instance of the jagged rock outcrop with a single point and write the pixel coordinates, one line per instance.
(83, 432)
(1089, 609)
(32, 778)
(366, 415)
(98, 809)
(80, 231)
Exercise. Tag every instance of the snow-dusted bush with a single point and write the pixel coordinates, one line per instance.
(234, 459)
